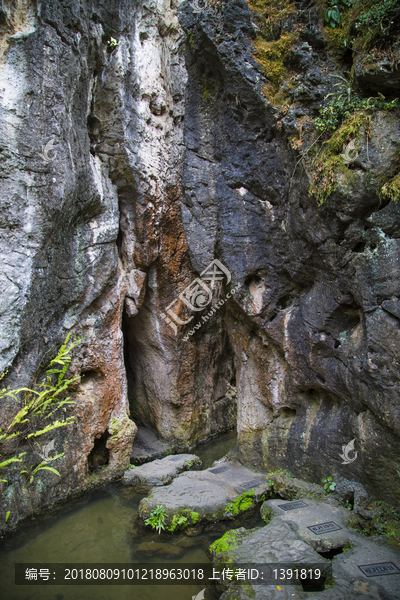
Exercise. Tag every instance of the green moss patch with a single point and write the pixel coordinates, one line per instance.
(327, 167)
(244, 502)
(273, 44)
(227, 542)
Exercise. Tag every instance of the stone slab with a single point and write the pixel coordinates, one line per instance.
(207, 492)
(310, 522)
(162, 471)
(287, 537)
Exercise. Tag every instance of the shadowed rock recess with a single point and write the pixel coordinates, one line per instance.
(169, 151)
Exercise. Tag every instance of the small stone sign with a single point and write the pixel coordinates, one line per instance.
(250, 484)
(219, 470)
(378, 569)
(322, 528)
(292, 505)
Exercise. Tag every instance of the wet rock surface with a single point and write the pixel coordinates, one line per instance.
(288, 538)
(162, 471)
(147, 446)
(210, 493)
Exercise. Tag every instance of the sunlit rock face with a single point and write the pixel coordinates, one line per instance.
(137, 150)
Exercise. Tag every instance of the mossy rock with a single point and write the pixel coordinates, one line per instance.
(227, 542)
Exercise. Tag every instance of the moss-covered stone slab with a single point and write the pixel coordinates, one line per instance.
(221, 492)
(162, 471)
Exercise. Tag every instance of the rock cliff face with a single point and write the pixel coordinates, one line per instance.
(137, 147)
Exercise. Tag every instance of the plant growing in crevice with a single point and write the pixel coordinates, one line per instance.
(329, 484)
(178, 522)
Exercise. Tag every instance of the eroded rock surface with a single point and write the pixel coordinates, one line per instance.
(138, 146)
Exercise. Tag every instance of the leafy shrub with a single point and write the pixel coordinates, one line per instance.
(363, 23)
(332, 15)
(156, 519)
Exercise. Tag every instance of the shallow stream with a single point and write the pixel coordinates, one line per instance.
(101, 527)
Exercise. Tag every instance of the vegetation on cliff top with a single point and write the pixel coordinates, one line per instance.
(275, 38)
(366, 30)
(361, 25)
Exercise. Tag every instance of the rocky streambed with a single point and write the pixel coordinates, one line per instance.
(313, 534)
(172, 510)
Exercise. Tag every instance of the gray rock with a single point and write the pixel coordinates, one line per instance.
(287, 539)
(377, 75)
(328, 523)
(147, 446)
(161, 472)
(207, 493)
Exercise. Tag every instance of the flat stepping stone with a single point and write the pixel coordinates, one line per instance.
(297, 533)
(321, 525)
(207, 493)
(275, 543)
(162, 471)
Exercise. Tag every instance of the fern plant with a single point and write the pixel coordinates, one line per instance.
(37, 416)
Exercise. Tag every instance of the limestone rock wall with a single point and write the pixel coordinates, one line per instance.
(315, 325)
(137, 147)
(92, 243)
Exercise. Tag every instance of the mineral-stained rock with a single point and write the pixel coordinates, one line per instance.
(313, 326)
(161, 472)
(139, 147)
(91, 237)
